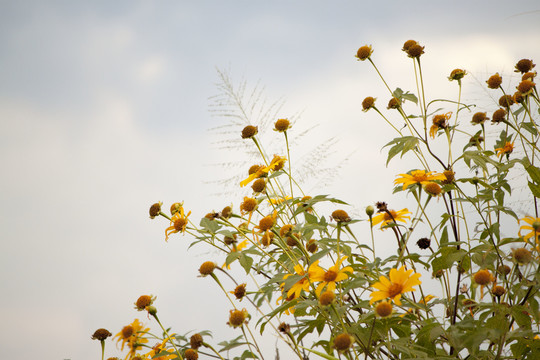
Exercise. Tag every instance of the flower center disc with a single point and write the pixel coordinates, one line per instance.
(394, 289)
(330, 275)
(180, 224)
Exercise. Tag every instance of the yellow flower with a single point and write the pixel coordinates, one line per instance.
(330, 277)
(161, 347)
(533, 228)
(506, 149)
(384, 218)
(279, 200)
(179, 222)
(418, 177)
(302, 284)
(275, 165)
(400, 282)
(132, 335)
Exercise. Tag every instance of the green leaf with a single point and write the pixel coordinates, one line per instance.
(535, 189)
(245, 262)
(401, 145)
(533, 171)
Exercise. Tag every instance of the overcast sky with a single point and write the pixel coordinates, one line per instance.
(104, 110)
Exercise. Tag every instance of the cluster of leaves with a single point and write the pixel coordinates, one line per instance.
(468, 290)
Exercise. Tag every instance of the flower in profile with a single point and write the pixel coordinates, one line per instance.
(278, 200)
(433, 189)
(533, 228)
(439, 122)
(518, 97)
(144, 301)
(282, 125)
(237, 317)
(248, 205)
(408, 44)
(239, 292)
(101, 334)
(506, 101)
(207, 268)
(400, 282)
(328, 278)
(522, 256)
(415, 51)
(524, 65)
(368, 103)
(327, 298)
(155, 209)
(483, 277)
(302, 284)
(423, 243)
(529, 76)
(506, 149)
(249, 131)
(267, 222)
(343, 342)
(494, 81)
(394, 103)
(364, 52)
(196, 341)
(449, 176)
(191, 354)
(341, 216)
(457, 74)
(479, 118)
(276, 164)
(132, 335)
(384, 309)
(390, 216)
(526, 87)
(418, 177)
(498, 116)
(179, 222)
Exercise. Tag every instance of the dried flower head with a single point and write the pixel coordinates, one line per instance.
(529, 76)
(312, 246)
(176, 207)
(483, 277)
(507, 149)
(522, 256)
(368, 103)
(249, 131)
(226, 212)
(494, 81)
(191, 354)
(267, 238)
(439, 121)
(408, 44)
(237, 317)
(343, 342)
(433, 189)
(196, 341)
(240, 291)
(101, 334)
(364, 52)
(327, 298)
(293, 239)
(144, 301)
(282, 125)
(267, 222)
(258, 185)
(518, 97)
(381, 206)
(248, 205)
(155, 209)
(524, 65)
(394, 103)
(504, 270)
(285, 230)
(284, 328)
(415, 51)
(506, 101)
(449, 176)
(341, 216)
(254, 168)
(423, 243)
(207, 268)
(526, 87)
(479, 118)
(457, 74)
(498, 291)
(498, 116)
(384, 309)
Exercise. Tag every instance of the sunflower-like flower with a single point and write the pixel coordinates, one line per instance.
(418, 177)
(385, 218)
(533, 228)
(302, 284)
(328, 278)
(179, 222)
(400, 282)
(132, 335)
(276, 164)
(506, 149)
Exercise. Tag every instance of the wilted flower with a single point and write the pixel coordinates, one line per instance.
(439, 122)
(101, 334)
(340, 216)
(368, 103)
(237, 317)
(384, 309)
(155, 209)
(479, 118)
(457, 74)
(524, 65)
(282, 125)
(506, 101)
(526, 87)
(364, 52)
(506, 149)
(483, 277)
(249, 132)
(343, 342)
(498, 116)
(494, 81)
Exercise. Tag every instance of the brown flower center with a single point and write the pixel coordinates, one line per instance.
(180, 224)
(127, 331)
(394, 289)
(330, 275)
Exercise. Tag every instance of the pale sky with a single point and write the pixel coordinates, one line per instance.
(104, 110)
